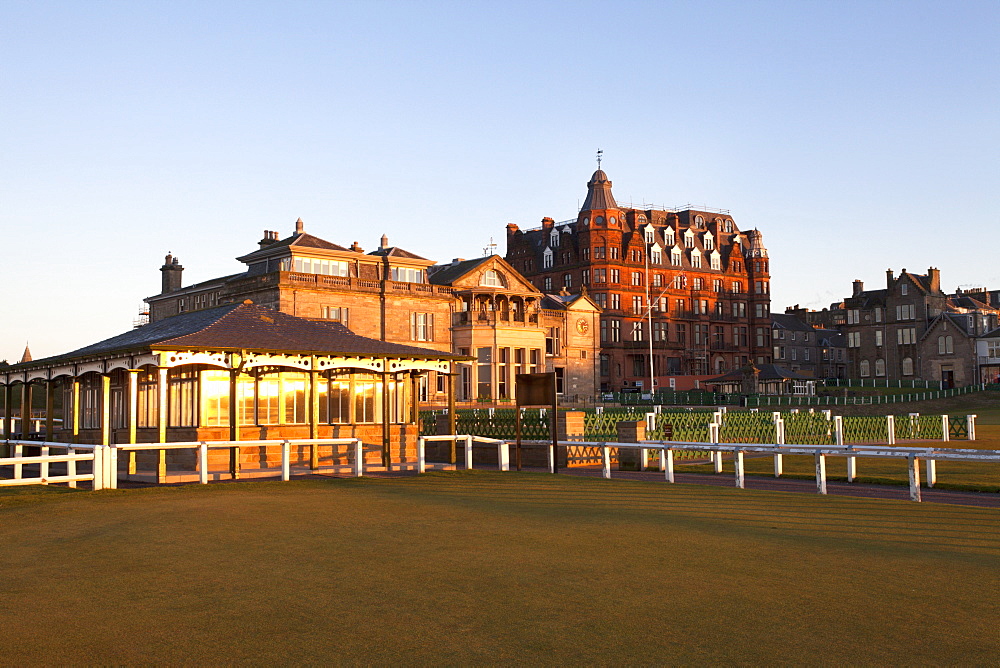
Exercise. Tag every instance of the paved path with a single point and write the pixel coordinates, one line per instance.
(899, 492)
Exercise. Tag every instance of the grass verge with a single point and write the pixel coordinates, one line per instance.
(477, 567)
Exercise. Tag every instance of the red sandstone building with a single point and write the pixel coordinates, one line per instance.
(685, 294)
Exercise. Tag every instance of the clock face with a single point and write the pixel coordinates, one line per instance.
(582, 326)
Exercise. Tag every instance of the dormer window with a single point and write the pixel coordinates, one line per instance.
(689, 239)
(407, 274)
(675, 257)
(547, 258)
(708, 241)
(650, 235)
(668, 237)
(554, 239)
(699, 222)
(715, 260)
(729, 226)
(696, 258)
(492, 279)
(309, 265)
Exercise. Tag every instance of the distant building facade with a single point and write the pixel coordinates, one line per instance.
(809, 351)
(912, 330)
(687, 281)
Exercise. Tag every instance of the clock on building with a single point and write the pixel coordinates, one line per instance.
(582, 325)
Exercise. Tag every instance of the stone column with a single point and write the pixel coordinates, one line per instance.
(630, 432)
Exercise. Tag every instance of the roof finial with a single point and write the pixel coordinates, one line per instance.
(600, 154)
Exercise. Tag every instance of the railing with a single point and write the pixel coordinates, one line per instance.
(105, 459)
(97, 456)
(503, 449)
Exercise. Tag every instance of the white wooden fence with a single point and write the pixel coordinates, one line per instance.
(104, 459)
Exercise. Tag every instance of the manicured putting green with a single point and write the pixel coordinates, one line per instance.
(483, 568)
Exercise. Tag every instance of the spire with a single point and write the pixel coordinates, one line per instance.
(26, 357)
(599, 193)
(299, 226)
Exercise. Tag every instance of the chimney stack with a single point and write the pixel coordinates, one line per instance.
(935, 278)
(859, 287)
(889, 278)
(385, 242)
(356, 247)
(299, 226)
(171, 274)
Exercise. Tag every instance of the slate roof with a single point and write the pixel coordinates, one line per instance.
(448, 274)
(789, 321)
(767, 372)
(297, 240)
(599, 193)
(396, 251)
(247, 327)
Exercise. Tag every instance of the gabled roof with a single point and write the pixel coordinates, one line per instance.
(452, 275)
(246, 326)
(298, 240)
(565, 302)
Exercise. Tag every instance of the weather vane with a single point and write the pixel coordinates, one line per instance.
(600, 154)
(490, 247)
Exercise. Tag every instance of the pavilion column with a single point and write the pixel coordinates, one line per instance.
(8, 410)
(386, 455)
(452, 386)
(161, 422)
(25, 410)
(50, 408)
(234, 422)
(75, 408)
(105, 409)
(8, 414)
(415, 397)
(133, 416)
(313, 417)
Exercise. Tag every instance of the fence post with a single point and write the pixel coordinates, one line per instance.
(779, 438)
(945, 429)
(667, 463)
(18, 453)
(468, 452)
(970, 421)
(820, 473)
(203, 463)
(890, 424)
(421, 454)
(650, 422)
(359, 458)
(503, 455)
(111, 467)
(713, 436)
(914, 465)
(98, 468)
(606, 461)
(44, 466)
(738, 462)
(71, 467)
(286, 451)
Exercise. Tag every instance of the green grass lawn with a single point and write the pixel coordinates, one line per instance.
(483, 568)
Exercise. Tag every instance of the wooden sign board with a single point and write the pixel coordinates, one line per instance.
(535, 389)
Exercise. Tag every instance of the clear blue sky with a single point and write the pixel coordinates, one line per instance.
(858, 136)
